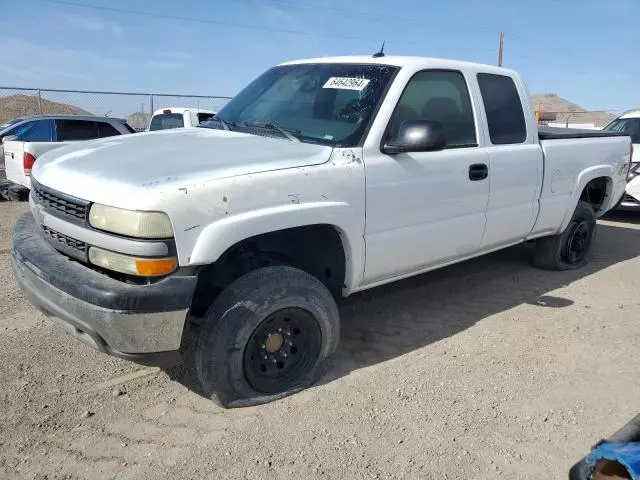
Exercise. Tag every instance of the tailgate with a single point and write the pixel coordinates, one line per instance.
(13, 155)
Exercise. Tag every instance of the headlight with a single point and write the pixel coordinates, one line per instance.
(130, 222)
(143, 267)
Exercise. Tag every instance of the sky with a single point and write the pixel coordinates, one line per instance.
(583, 50)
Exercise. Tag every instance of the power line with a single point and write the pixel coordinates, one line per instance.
(201, 20)
(308, 8)
(181, 18)
(291, 5)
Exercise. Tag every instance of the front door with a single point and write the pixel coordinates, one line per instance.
(427, 208)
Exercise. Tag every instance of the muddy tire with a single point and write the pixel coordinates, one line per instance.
(570, 249)
(266, 336)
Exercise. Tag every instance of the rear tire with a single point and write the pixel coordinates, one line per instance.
(267, 335)
(570, 249)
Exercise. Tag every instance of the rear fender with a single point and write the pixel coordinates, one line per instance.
(584, 178)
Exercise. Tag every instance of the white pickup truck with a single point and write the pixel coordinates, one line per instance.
(174, 117)
(324, 177)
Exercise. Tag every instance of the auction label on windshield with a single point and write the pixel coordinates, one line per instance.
(347, 83)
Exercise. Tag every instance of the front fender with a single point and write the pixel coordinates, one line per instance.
(222, 234)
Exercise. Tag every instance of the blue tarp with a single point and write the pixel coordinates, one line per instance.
(627, 454)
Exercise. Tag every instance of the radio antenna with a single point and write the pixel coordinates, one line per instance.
(380, 53)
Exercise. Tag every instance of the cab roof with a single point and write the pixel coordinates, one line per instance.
(69, 116)
(405, 61)
(631, 114)
(181, 110)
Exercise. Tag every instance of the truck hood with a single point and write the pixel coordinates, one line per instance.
(129, 170)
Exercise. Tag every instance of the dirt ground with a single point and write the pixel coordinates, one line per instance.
(488, 369)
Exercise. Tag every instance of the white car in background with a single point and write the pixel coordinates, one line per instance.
(629, 123)
(27, 140)
(167, 118)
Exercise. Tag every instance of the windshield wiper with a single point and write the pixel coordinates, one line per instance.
(227, 124)
(273, 126)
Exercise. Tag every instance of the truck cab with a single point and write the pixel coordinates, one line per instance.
(174, 117)
(322, 178)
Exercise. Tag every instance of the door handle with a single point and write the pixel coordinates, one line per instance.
(478, 171)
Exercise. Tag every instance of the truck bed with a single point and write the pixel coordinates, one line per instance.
(555, 133)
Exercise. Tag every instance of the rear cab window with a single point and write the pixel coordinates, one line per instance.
(166, 121)
(503, 107)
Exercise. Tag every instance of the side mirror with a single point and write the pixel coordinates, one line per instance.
(417, 136)
(9, 138)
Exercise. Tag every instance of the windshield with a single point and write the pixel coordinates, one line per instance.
(166, 121)
(630, 126)
(331, 104)
(10, 122)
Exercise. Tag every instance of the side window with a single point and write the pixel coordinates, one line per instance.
(36, 131)
(76, 130)
(440, 96)
(107, 130)
(504, 109)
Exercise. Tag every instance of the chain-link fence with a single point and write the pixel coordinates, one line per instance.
(592, 119)
(136, 108)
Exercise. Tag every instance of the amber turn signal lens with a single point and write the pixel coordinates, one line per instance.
(143, 267)
(155, 267)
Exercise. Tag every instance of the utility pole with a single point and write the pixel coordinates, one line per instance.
(501, 49)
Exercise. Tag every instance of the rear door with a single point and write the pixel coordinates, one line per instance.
(515, 160)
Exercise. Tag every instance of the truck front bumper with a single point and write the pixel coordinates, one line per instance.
(141, 323)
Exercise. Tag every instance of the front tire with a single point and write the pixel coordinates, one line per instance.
(570, 249)
(266, 336)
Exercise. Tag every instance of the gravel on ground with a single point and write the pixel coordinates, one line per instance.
(487, 369)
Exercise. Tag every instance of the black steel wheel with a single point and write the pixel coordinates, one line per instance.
(266, 336)
(578, 241)
(570, 249)
(283, 348)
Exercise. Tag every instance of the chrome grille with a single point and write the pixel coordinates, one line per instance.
(65, 242)
(50, 200)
